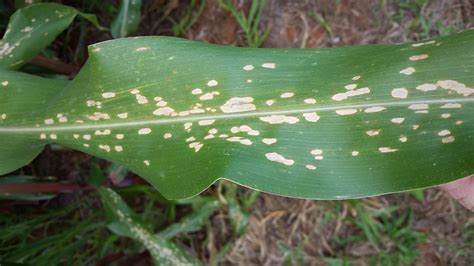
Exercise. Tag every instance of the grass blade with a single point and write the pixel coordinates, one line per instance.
(126, 222)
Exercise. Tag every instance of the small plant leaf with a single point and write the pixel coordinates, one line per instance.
(312, 123)
(128, 18)
(32, 28)
(127, 223)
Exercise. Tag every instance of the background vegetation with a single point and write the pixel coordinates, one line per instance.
(69, 222)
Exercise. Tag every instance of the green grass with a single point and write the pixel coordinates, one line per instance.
(249, 23)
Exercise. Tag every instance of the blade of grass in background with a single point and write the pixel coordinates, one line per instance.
(126, 223)
(127, 20)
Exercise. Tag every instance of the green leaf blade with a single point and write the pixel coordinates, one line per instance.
(312, 123)
(32, 28)
(127, 20)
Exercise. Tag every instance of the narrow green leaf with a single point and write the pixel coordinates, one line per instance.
(127, 223)
(32, 28)
(191, 223)
(128, 18)
(313, 123)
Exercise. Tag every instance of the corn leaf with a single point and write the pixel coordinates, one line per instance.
(128, 18)
(312, 123)
(32, 28)
(127, 223)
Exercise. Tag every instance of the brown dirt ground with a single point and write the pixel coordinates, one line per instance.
(296, 222)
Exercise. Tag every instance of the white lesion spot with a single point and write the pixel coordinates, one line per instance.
(445, 115)
(206, 122)
(248, 67)
(196, 146)
(76, 136)
(209, 95)
(426, 87)
(311, 167)
(287, 95)
(103, 132)
(188, 126)
(122, 115)
(3, 116)
(418, 57)
(144, 131)
(415, 127)
(141, 49)
(311, 117)
(275, 157)
(87, 137)
(163, 111)
(310, 101)
(316, 152)
(459, 122)
(135, 91)
(344, 95)
(42, 136)
(451, 106)
(269, 141)
(238, 104)
(5, 83)
(107, 95)
(212, 83)
(27, 29)
(408, 71)
(279, 119)
(119, 136)
(196, 91)
(98, 115)
(456, 87)
(418, 106)
(49, 121)
(444, 133)
(167, 135)
(350, 86)
(269, 65)
(356, 78)
(400, 93)
(53, 136)
(403, 138)
(141, 99)
(375, 109)
(387, 149)
(118, 148)
(355, 153)
(372, 133)
(146, 162)
(104, 147)
(448, 139)
(346, 111)
(269, 102)
(398, 120)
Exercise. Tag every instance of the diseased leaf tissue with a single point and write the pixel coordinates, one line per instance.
(312, 123)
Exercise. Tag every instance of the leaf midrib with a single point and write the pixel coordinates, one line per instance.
(26, 130)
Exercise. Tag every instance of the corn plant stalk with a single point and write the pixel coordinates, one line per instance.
(312, 123)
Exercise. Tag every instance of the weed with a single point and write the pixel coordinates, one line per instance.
(250, 23)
